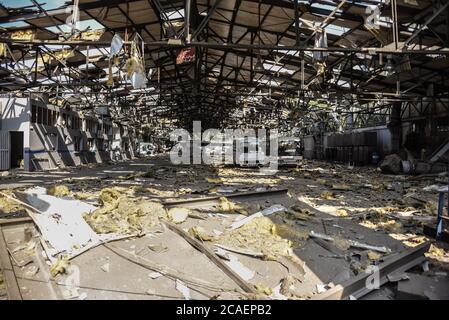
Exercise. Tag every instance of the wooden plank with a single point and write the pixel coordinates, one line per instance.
(4, 222)
(213, 257)
(12, 287)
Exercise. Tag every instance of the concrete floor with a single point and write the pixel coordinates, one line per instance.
(306, 184)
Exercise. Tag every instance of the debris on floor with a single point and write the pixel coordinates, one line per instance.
(7, 205)
(178, 215)
(59, 266)
(418, 287)
(258, 235)
(120, 214)
(327, 228)
(58, 191)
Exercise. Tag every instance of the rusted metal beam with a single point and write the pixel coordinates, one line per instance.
(213, 257)
(205, 20)
(210, 201)
(167, 44)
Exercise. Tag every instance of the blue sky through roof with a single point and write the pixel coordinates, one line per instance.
(46, 4)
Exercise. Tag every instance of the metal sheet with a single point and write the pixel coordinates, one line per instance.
(357, 287)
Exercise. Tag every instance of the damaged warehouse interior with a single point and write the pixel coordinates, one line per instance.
(224, 150)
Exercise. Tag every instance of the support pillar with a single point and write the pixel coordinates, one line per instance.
(395, 127)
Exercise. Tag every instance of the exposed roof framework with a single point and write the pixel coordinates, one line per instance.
(259, 54)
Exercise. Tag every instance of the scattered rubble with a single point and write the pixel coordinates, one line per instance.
(264, 231)
(58, 191)
(258, 235)
(59, 266)
(7, 205)
(178, 215)
(200, 234)
(123, 215)
(391, 164)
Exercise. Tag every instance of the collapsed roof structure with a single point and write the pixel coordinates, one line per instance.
(91, 90)
(280, 61)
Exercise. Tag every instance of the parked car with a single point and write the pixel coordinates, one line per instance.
(252, 155)
(289, 153)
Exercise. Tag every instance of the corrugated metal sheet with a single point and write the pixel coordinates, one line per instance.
(5, 158)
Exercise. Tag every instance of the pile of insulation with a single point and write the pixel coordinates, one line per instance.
(58, 191)
(7, 205)
(258, 235)
(123, 215)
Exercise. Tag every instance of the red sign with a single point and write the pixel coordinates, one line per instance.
(186, 55)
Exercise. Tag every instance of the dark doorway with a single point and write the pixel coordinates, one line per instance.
(16, 138)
